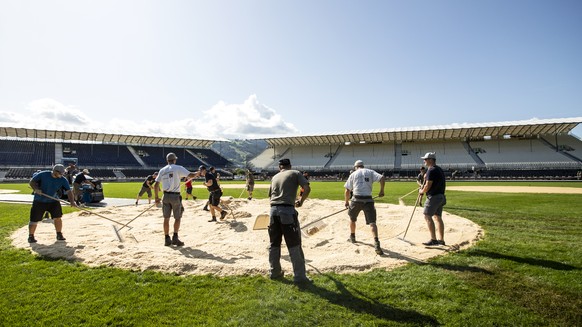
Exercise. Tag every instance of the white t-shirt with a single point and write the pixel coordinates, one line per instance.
(170, 177)
(360, 181)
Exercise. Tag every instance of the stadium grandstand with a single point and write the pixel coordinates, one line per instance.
(108, 156)
(530, 149)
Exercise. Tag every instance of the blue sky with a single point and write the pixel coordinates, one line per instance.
(245, 69)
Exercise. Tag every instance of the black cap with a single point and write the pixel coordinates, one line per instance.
(202, 167)
(285, 162)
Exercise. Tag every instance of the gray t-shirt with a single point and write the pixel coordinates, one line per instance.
(284, 186)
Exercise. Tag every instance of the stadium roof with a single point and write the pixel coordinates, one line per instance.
(441, 132)
(95, 137)
(530, 127)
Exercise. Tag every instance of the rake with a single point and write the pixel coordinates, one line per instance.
(117, 230)
(316, 225)
(401, 199)
(93, 213)
(410, 220)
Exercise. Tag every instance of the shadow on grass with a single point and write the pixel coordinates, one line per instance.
(530, 261)
(54, 252)
(199, 254)
(360, 303)
(460, 268)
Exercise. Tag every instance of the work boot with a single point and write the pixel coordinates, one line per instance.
(279, 275)
(31, 239)
(378, 249)
(168, 241)
(223, 214)
(212, 220)
(177, 241)
(441, 242)
(60, 237)
(205, 208)
(352, 239)
(298, 263)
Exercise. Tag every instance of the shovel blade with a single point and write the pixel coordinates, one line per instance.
(261, 222)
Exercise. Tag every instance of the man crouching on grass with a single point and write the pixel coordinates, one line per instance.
(46, 184)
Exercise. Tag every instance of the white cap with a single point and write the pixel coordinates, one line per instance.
(429, 155)
(359, 163)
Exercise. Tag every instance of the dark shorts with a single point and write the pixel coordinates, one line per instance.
(215, 197)
(433, 206)
(145, 190)
(39, 208)
(250, 187)
(368, 208)
(188, 190)
(172, 204)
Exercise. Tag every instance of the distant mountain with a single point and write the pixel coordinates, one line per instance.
(240, 152)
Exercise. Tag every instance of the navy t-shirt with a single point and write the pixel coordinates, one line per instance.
(214, 186)
(437, 176)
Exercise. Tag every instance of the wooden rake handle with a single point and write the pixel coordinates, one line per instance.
(141, 213)
(94, 213)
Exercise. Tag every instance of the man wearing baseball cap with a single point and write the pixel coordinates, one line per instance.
(434, 188)
(358, 197)
(284, 221)
(46, 184)
(170, 177)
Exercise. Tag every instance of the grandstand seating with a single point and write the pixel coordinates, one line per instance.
(268, 158)
(449, 154)
(520, 153)
(376, 156)
(538, 157)
(24, 152)
(90, 155)
(155, 157)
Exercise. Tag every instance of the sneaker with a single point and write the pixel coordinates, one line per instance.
(352, 239)
(136, 203)
(194, 198)
(177, 241)
(378, 249)
(212, 220)
(205, 209)
(249, 198)
(60, 237)
(431, 243)
(31, 239)
(223, 214)
(168, 241)
(441, 242)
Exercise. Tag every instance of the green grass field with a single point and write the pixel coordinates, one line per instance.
(527, 271)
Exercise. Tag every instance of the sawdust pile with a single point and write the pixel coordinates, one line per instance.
(232, 247)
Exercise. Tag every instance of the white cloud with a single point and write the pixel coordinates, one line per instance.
(251, 119)
(57, 113)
